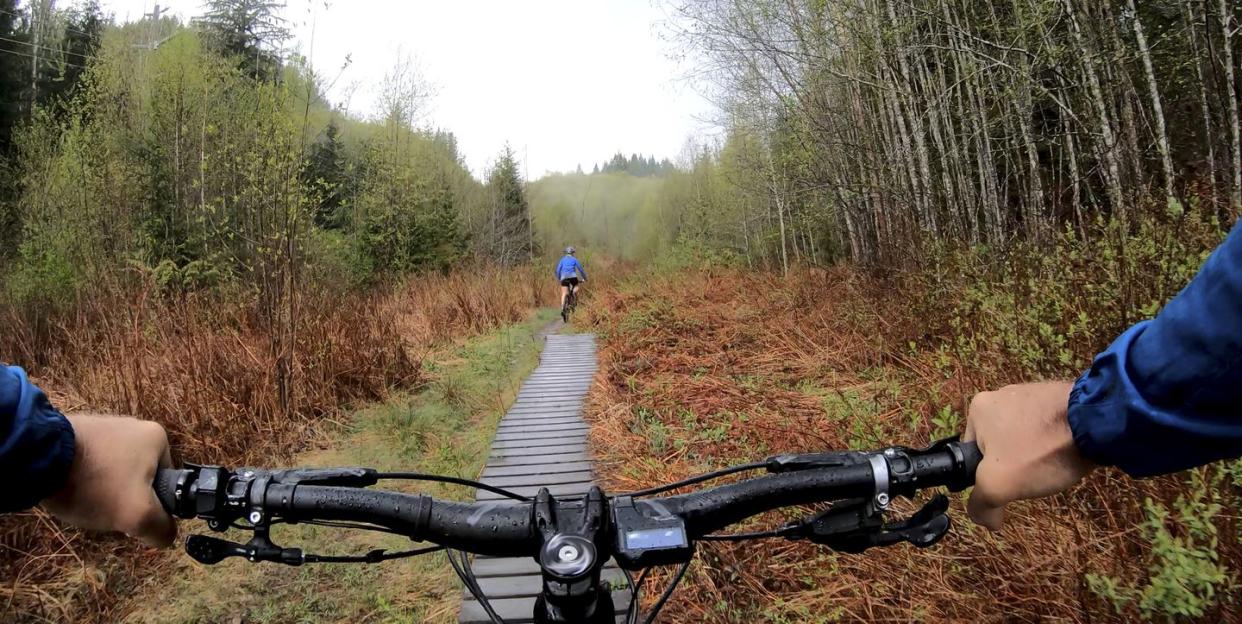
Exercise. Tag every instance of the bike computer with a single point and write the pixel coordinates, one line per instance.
(646, 540)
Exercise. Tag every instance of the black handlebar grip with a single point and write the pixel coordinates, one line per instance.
(971, 457)
(166, 488)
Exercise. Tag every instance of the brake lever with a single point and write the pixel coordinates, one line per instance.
(212, 550)
(854, 525)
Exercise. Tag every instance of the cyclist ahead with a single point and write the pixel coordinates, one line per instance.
(567, 272)
(1163, 397)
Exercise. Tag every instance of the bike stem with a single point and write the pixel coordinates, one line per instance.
(573, 536)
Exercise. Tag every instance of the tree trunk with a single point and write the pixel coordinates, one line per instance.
(1209, 137)
(1157, 110)
(1235, 133)
(1107, 147)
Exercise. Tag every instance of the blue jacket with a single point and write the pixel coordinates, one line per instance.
(1167, 394)
(569, 267)
(36, 442)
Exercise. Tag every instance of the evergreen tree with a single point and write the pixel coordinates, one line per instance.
(248, 30)
(83, 32)
(14, 72)
(326, 172)
(510, 233)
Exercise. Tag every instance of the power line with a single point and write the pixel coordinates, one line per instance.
(39, 47)
(31, 56)
(67, 29)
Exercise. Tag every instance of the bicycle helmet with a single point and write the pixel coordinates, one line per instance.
(570, 250)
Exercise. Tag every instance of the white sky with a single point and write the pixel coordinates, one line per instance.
(565, 82)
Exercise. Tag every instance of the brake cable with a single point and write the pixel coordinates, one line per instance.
(668, 593)
(472, 584)
(707, 476)
(418, 476)
(630, 614)
(374, 556)
(783, 531)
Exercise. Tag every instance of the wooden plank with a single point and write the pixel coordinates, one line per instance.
(549, 404)
(536, 459)
(539, 410)
(563, 489)
(526, 407)
(524, 428)
(539, 420)
(550, 391)
(578, 441)
(574, 430)
(532, 584)
(553, 468)
(553, 390)
(575, 436)
(539, 414)
(538, 435)
(535, 418)
(534, 403)
(541, 435)
(504, 427)
(542, 432)
(577, 476)
(542, 450)
(520, 610)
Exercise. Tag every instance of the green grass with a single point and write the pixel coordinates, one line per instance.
(444, 429)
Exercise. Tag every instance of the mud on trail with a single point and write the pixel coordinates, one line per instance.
(710, 368)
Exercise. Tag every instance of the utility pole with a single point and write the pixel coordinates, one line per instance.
(39, 12)
(154, 18)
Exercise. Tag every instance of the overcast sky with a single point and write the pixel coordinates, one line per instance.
(565, 82)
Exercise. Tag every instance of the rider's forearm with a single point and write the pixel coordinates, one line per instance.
(1167, 394)
(36, 442)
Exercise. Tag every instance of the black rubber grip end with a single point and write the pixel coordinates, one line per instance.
(971, 456)
(166, 489)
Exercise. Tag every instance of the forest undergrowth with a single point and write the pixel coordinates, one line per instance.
(208, 367)
(705, 366)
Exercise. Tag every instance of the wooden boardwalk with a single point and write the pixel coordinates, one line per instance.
(541, 442)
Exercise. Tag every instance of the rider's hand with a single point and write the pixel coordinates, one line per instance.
(1028, 449)
(109, 484)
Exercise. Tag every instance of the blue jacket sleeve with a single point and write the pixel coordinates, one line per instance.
(36, 442)
(581, 269)
(1167, 394)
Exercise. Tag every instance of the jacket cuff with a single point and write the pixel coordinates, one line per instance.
(1080, 417)
(64, 450)
(48, 474)
(1100, 405)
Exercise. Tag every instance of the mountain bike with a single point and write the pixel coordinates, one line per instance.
(572, 537)
(571, 301)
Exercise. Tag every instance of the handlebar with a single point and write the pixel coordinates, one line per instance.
(861, 483)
